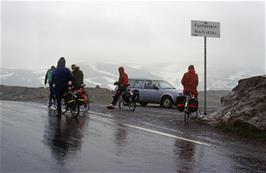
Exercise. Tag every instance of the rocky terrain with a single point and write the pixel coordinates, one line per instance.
(40, 94)
(245, 104)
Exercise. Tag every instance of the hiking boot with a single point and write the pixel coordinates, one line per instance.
(49, 105)
(110, 106)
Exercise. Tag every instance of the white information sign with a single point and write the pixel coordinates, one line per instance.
(205, 29)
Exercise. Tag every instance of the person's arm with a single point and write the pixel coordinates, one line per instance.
(53, 76)
(183, 81)
(46, 76)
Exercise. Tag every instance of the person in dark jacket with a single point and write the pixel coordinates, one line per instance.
(190, 82)
(48, 77)
(77, 76)
(122, 86)
(61, 78)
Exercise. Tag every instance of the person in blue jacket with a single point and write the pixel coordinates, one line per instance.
(48, 78)
(61, 78)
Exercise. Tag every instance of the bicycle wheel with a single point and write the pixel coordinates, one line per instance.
(132, 106)
(54, 104)
(64, 108)
(74, 109)
(186, 117)
(86, 107)
(120, 104)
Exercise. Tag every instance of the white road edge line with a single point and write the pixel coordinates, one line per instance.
(168, 135)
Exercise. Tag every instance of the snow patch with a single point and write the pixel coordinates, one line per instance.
(90, 81)
(94, 68)
(6, 75)
(39, 72)
(138, 67)
(111, 86)
(109, 80)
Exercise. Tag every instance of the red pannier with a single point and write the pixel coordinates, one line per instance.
(180, 103)
(193, 104)
(82, 97)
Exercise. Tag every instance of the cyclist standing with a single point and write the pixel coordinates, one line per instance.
(122, 86)
(190, 82)
(77, 76)
(61, 78)
(48, 76)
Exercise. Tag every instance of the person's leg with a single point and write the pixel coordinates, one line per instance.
(116, 97)
(50, 93)
(59, 109)
(59, 96)
(52, 90)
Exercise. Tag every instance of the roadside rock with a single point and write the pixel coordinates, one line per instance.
(246, 103)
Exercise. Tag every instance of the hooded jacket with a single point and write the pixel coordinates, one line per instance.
(190, 83)
(48, 75)
(77, 77)
(61, 76)
(123, 78)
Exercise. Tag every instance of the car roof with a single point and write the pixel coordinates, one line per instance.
(144, 79)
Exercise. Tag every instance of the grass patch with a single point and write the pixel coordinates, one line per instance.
(243, 130)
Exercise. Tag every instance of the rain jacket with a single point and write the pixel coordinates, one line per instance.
(190, 83)
(123, 79)
(48, 76)
(60, 77)
(77, 77)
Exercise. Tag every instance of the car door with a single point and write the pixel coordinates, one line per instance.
(151, 93)
(138, 86)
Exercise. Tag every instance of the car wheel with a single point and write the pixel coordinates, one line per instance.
(166, 102)
(143, 104)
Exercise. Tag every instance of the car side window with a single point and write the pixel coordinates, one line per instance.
(148, 84)
(138, 84)
(131, 82)
(156, 83)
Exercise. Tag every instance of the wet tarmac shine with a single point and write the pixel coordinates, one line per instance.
(33, 139)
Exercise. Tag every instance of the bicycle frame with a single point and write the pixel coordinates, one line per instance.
(187, 112)
(186, 109)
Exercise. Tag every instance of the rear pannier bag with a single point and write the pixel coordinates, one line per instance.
(69, 99)
(81, 97)
(180, 103)
(193, 104)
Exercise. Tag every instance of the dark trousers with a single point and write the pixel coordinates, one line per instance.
(51, 93)
(59, 108)
(59, 96)
(117, 94)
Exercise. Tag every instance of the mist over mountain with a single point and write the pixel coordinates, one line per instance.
(105, 74)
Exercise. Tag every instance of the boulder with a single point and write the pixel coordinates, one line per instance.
(245, 103)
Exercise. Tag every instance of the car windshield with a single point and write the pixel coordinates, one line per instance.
(165, 85)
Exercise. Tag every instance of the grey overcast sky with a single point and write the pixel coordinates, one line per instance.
(36, 34)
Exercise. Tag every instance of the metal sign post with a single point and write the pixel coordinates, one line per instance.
(205, 29)
(205, 76)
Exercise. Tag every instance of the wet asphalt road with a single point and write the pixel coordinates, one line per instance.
(150, 139)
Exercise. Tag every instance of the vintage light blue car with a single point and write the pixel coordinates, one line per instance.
(154, 91)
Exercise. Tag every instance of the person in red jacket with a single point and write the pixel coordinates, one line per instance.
(122, 86)
(190, 82)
